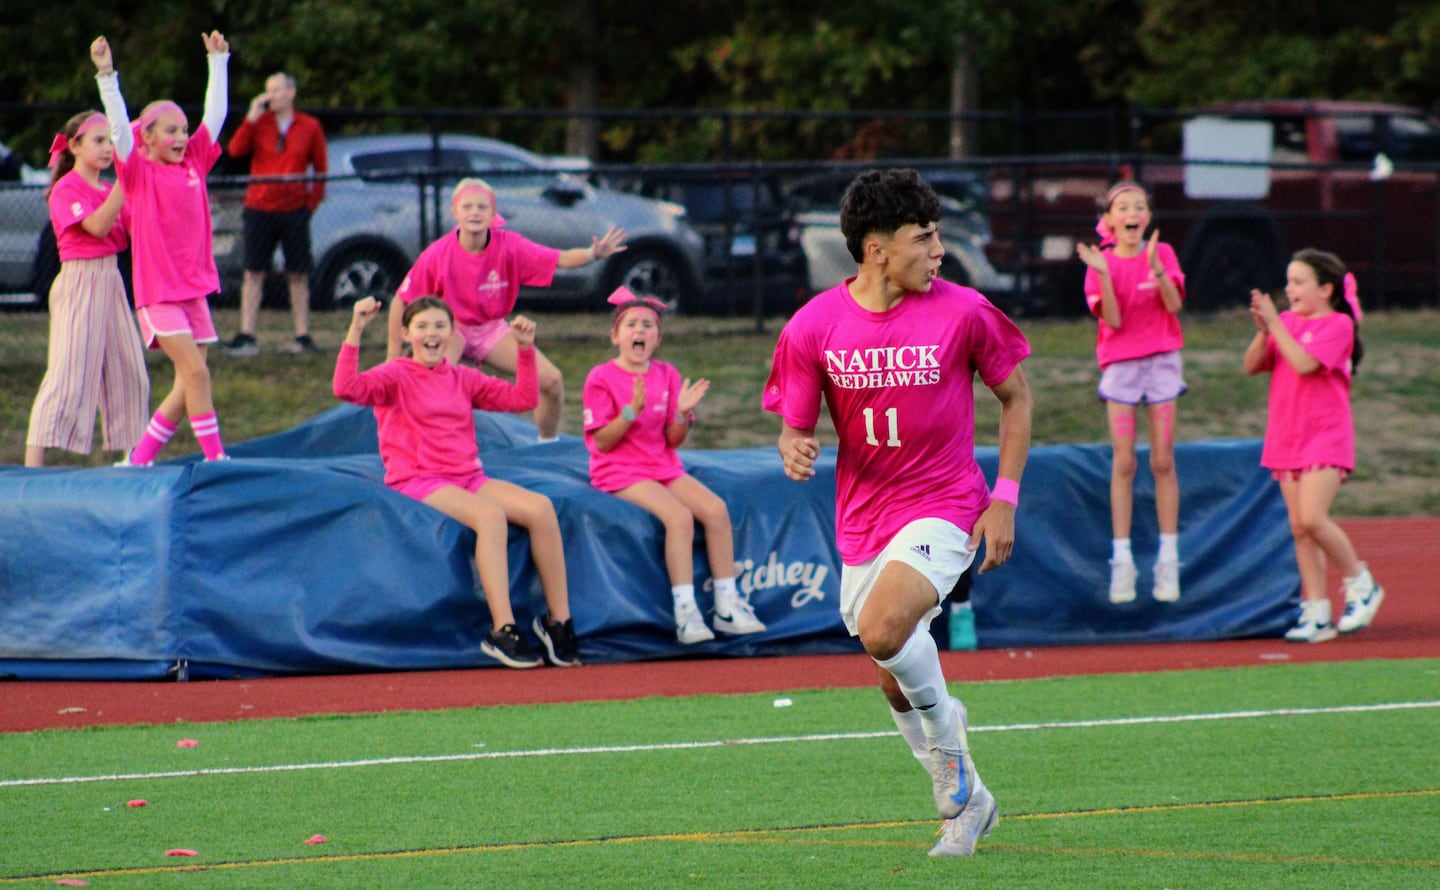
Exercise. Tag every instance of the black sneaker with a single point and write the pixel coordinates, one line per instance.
(506, 646)
(242, 344)
(559, 640)
(302, 345)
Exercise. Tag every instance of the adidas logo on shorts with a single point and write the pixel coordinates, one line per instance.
(923, 550)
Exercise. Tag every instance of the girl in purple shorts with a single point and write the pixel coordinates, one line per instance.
(637, 412)
(162, 166)
(1311, 351)
(1135, 288)
(424, 410)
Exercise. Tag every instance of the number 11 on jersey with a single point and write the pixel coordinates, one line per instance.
(891, 421)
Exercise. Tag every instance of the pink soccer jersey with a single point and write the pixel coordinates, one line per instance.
(170, 228)
(1146, 326)
(480, 287)
(72, 200)
(1309, 422)
(643, 452)
(899, 389)
(425, 416)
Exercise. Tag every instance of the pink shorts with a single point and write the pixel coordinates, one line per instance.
(421, 487)
(173, 319)
(1294, 475)
(1151, 379)
(481, 338)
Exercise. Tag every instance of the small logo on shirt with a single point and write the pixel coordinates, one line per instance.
(492, 282)
(77, 210)
(1307, 337)
(923, 550)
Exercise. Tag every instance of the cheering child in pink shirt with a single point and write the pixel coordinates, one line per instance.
(162, 166)
(637, 412)
(1311, 350)
(95, 359)
(424, 409)
(1135, 288)
(479, 268)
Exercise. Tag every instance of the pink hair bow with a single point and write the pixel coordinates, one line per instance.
(623, 296)
(58, 147)
(1352, 296)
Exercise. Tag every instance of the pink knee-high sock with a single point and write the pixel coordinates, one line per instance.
(157, 433)
(207, 433)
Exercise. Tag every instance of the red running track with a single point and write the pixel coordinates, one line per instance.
(1408, 626)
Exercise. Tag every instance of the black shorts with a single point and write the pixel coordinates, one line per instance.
(289, 230)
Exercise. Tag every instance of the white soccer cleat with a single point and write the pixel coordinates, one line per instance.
(958, 836)
(952, 771)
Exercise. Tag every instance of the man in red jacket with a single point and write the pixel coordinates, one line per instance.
(287, 168)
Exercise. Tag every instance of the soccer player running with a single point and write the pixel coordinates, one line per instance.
(894, 351)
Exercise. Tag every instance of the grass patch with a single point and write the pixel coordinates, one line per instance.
(1397, 393)
(1285, 782)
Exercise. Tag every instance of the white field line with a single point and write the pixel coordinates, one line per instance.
(684, 746)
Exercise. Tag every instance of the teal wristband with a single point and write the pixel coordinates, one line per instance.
(628, 413)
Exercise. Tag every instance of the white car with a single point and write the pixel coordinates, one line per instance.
(388, 196)
(28, 261)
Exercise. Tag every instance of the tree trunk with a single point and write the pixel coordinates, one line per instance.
(964, 99)
(582, 132)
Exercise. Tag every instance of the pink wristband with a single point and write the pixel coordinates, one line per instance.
(1007, 490)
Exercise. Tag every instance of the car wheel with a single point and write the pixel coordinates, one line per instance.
(47, 267)
(649, 273)
(355, 273)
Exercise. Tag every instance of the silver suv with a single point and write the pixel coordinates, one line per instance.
(387, 197)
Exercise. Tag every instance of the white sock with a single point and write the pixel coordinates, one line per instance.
(1121, 551)
(1318, 610)
(684, 594)
(725, 595)
(916, 668)
(542, 440)
(1169, 548)
(912, 730)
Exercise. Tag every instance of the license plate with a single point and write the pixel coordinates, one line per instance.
(742, 245)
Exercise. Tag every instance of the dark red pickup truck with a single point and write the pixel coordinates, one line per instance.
(1359, 179)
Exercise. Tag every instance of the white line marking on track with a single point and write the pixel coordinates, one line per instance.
(684, 746)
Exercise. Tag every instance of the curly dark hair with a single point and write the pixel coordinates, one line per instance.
(880, 202)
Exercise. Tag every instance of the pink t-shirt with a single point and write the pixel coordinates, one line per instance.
(1309, 421)
(426, 415)
(72, 200)
(1146, 326)
(480, 287)
(643, 452)
(170, 228)
(899, 387)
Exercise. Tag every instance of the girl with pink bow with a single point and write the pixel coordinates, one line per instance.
(95, 359)
(163, 166)
(1311, 351)
(637, 413)
(1135, 288)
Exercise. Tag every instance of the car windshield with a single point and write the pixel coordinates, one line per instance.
(505, 173)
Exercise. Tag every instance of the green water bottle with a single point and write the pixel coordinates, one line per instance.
(962, 626)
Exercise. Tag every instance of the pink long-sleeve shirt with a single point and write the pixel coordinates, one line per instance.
(426, 415)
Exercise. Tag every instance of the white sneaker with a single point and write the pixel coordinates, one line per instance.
(952, 771)
(1122, 582)
(1167, 581)
(690, 624)
(959, 835)
(741, 619)
(1314, 625)
(1362, 600)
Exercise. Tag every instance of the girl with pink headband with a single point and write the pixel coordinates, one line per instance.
(1135, 287)
(163, 166)
(479, 269)
(1311, 351)
(95, 359)
(637, 413)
